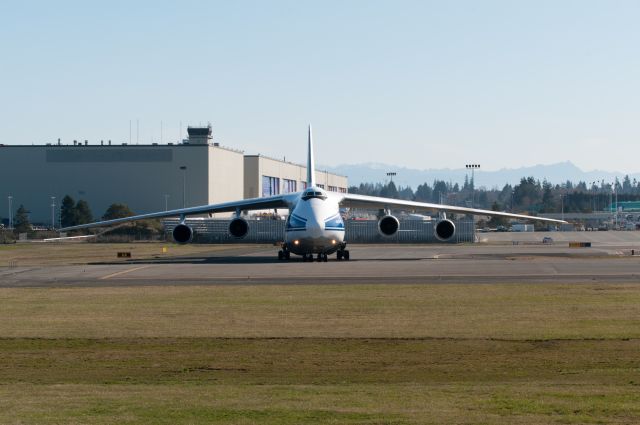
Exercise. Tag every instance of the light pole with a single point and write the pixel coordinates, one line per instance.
(611, 210)
(615, 191)
(562, 205)
(512, 192)
(473, 168)
(166, 202)
(53, 213)
(184, 185)
(10, 213)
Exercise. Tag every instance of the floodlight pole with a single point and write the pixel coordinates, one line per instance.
(53, 213)
(10, 198)
(611, 204)
(615, 191)
(473, 168)
(166, 202)
(391, 174)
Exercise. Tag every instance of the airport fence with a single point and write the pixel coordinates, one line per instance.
(356, 231)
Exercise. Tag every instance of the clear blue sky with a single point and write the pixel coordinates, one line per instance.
(424, 84)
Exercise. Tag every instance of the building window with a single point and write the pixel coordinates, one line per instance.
(342, 189)
(303, 185)
(321, 186)
(333, 189)
(270, 186)
(289, 186)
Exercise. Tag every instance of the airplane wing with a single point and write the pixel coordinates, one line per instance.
(270, 202)
(362, 201)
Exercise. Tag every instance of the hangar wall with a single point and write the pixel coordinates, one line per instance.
(264, 176)
(137, 175)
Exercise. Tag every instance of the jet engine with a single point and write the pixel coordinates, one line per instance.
(238, 228)
(388, 225)
(444, 230)
(182, 233)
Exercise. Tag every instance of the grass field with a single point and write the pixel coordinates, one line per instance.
(355, 354)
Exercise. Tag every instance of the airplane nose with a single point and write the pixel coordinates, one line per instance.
(315, 228)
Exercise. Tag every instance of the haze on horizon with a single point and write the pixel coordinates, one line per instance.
(421, 84)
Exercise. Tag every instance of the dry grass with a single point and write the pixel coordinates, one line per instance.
(307, 361)
(61, 253)
(317, 404)
(318, 381)
(506, 311)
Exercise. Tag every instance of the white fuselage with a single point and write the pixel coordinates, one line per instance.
(314, 225)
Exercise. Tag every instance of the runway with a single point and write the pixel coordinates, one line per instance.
(370, 264)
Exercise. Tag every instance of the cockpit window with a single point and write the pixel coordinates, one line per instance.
(308, 194)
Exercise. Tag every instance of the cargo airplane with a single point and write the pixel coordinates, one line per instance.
(314, 225)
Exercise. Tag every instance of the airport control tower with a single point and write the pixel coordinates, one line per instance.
(200, 135)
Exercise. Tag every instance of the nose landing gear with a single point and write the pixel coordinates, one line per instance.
(321, 258)
(342, 254)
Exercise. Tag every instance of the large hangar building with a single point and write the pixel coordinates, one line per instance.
(147, 178)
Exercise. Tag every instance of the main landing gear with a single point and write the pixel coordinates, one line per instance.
(284, 254)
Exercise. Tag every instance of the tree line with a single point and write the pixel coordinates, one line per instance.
(530, 195)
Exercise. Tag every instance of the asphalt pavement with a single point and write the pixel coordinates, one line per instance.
(369, 264)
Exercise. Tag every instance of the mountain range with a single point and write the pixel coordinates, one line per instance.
(554, 173)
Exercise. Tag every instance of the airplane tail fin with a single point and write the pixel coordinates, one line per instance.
(311, 175)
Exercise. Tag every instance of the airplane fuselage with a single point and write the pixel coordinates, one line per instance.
(314, 225)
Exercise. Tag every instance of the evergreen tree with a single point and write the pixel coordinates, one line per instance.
(68, 214)
(423, 193)
(389, 191)
(547, 198)
(527, 194)
(83, 212)
(405, 193)
(626, 184)
(21, 220)
(466, 184)
(505, 195)
(117, 211)
(439, 189)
